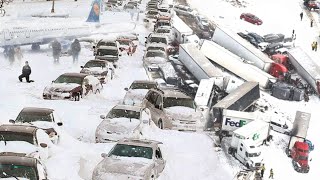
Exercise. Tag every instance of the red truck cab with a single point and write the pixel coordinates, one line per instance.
(278, 70)
(299, 154)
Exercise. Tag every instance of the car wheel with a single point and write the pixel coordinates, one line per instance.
(247, 165)
(77, 97)
(160, 124)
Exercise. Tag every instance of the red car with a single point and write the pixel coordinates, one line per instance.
(251, 18)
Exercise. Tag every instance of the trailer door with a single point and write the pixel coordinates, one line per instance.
(6, 34)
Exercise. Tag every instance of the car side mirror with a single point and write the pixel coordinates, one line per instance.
(81, 66)
(126, 89)
(120, 54)
(102, 117)
(43, 145)
(59, 123)
(104, 155)
(12, 121)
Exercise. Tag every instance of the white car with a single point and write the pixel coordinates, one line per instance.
(156, 46)
(154, 57)
(72, 86)
(123, 121)
(202, 22)
(99, 69)
(44, 118)
(131, 159)
(137, 91)
(26, 140)
(166, 31)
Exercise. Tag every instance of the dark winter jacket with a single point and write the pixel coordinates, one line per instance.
(56, 47)
(75, 47)
(26, 70)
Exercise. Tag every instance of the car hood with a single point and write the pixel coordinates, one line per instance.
(93, 70)
(62, 87)
(40, 124)
(181, 112)
(20, 147)
(135, 96)
(130, 166)
(117, 127)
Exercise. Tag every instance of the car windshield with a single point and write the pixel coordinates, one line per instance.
(16, 136)
(142, 86)
(152, 12)
(108, 43)
(158, 40)
(163, 10)
(69, 79)
(104, 52)
(19, 171)
(94, 64)
(155, 48)
(174, 101)
(155, 54)
(124, 42)
(125, 150)
(253, 154)
(303, 158)
(33, 117)
(119, 113)
(163, 30)
(163, 24)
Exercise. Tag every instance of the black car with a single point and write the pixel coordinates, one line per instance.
(273, 38)
(249, 38)
(271, 48)
(257, 37)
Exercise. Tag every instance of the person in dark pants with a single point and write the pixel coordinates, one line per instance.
(311, 23)
(56, 51)
(315, 46)
(271, 174)
(301, 15)
(26, 71)
(75, 50)
(11, 54)
(262, 170)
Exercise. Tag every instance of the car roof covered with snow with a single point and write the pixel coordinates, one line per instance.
(158, 35)
(128, 107)
(36, 110)
(144, 82)
(108, 47)
(140, 142)
(173, 92)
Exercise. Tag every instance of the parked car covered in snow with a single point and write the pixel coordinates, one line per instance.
(253, 19)
(108, 53)
(173, 109)
(26, 140)
(131, 159)
(98, 68)
(122, 121)
(16, 166)
(105, 42)
(72, 86)
(166, 31)
(137, 91)
(156, 47)
(185, 11)
(154, 57)
(157, 38)
(43, 118)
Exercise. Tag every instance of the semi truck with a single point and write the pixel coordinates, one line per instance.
(305, 67)
(199, 65)
(298, 147)
(182, 32)
(235, 64)
(245, 141)
(239, 46)
(239, 99)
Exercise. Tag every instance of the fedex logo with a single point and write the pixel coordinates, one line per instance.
(236, 124)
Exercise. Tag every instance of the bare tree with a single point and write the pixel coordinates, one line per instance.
(2, 5)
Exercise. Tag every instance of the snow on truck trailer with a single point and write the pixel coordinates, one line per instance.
(245, 141)
(305, 67)
(182, 32)
(199, 65)
(239, 99)
(234, 64)
(239, 46)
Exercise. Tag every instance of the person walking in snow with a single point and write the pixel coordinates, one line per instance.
(301, 15)
(271, 174)
(75, 50)
(56, 51)
(19, 54)
(11, 54)
(262, 170)
(315, 46)
(26, 71)
(311, 23)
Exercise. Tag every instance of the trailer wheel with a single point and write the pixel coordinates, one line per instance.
(288, 152)
(247, 165)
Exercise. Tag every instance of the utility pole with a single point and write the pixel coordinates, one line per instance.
(52, 9)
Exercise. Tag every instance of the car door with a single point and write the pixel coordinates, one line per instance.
(43, 143)
(150, 101)
(160, 162)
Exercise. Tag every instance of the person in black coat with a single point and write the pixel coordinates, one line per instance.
(11, 54)
(75, 49)
(26, 71)
(56, 50)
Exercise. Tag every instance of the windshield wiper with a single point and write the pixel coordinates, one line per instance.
(10, 175)
(3, 139)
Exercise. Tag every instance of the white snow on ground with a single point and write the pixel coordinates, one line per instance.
(189, 155)
(278, 16)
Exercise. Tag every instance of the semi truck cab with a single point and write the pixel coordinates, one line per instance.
(300, 154)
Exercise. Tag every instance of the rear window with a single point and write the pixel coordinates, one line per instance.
(163, 31)
(19, 171)
(16, 136)
(158, 40)
(142, 86)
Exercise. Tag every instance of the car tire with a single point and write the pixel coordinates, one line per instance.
(247, 166)
(160, 124)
